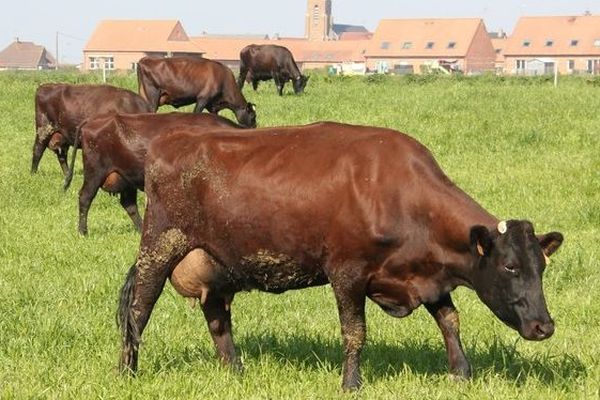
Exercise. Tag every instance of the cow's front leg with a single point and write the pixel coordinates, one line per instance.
(350, 298)
(217, 311)
(446, 316)
(279, 83)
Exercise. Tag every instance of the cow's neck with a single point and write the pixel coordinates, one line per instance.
(456, 214)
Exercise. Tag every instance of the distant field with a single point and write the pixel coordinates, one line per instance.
(521, 147)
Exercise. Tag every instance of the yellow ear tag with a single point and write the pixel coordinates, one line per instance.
(479, 249)
(547, 259)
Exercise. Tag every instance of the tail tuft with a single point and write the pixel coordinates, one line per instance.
(125, 320)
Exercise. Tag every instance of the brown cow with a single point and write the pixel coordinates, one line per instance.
(180, 81)
(269, 61)
(61, 108)
(114, 148)
(365, 209)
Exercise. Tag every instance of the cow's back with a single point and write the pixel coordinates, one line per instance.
(66, 106)
(262, 59)
(319, 186)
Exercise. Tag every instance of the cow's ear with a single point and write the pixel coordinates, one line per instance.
(550, 242)
(480, 241)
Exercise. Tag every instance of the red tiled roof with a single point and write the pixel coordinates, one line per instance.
(25, 55)
(140, 36)
(356, 36)
(423, 37)
(550, 36)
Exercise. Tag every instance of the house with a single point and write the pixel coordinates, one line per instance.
(499, 40)
(570, 42)
(26, 55)
(415, 45)
(119, 44)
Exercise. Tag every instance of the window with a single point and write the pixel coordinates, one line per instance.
(109, 63)
(520, 65)
(549, 43)
(570, 65)
(385, 45)
(429, 45)
(406, 45)
(574, 42)
(526, 43)
(597, 43)
(315, 15)
(451, 45)
(593, 66)
(498, 51)
(94, 63)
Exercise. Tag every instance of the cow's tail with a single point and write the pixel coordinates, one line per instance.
(125, 320)
(69, 176)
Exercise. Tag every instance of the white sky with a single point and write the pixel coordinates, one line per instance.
(39, 20)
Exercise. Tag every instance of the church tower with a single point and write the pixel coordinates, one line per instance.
(318, 20)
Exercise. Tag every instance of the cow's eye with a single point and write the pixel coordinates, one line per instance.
(511, 269)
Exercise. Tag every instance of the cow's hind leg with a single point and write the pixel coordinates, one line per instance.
(242, 76)
(350, 297)
(446, 317)
(89, 189)
(62, 154)
(217, 311)
(200, 105)
(128, 201)
(142, 288)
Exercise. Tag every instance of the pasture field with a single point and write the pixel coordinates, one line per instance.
(520, 147)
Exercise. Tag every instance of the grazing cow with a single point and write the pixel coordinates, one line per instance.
(61, 108)
(180, 81)
(114, 148)
(269, 61)
(365, 209)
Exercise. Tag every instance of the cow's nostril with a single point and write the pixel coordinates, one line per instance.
(544, 330)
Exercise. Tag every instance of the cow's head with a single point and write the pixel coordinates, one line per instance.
(300, 83)
(507, 276)
(246, 116)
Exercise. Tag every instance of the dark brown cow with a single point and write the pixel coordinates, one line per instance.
(61, 108)
(365, 209)
(114, 148)
(180, 81)
(269, 61)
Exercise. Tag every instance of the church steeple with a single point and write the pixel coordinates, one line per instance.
(318, 20)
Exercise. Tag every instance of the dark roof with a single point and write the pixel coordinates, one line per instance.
(341, 28)
(26, 55)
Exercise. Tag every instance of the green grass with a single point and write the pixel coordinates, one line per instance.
(521, 147)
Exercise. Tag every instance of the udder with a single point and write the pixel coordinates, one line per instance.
(194, 275)
(114, 183)
(56, 141)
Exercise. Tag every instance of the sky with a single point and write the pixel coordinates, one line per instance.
(40, 20)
